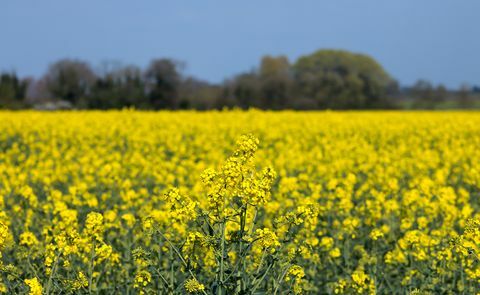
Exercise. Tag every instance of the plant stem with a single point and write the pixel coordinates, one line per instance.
(257, 284)
(281, 279)
(180, 256)
(52, 273)
(171, 271)
(90, 268)
(222, 270)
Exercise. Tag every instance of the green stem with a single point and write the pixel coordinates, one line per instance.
(257, 284)
(281, 279)
(180, 256)
(90, 268)
(243, 217)
(52, 273)
(222, 270)
(163, 278)
(172, 277)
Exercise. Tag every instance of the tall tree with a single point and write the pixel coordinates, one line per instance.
(423, 93)
(12, 90)
(163, 79)
(243, 91)
(464, 97)
(197, 94)
(341, 79)
(275, 82)
(70, 80)
(119, 87)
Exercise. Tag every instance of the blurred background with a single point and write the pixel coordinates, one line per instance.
(347, 54)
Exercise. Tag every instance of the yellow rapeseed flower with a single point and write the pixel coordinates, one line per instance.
(34, 285)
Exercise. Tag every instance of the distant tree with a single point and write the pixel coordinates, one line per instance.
(339, 79)
(441, 93)
(70, 80)
(12, 90)
(132, 86)
(119, 87)
(423, 94)
(393, 89)
(243, 91)
(464, 97)
(267, 87)
(163, 80)
(38, 92)
(275, 82)
(197, 94)
(427, 96)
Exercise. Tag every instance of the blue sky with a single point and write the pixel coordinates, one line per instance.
(434, 39)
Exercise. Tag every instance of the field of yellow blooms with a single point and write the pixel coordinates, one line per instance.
(129, 202)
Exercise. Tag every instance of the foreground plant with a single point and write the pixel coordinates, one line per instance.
(228, 247)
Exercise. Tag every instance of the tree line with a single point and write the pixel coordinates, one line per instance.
(326, 79)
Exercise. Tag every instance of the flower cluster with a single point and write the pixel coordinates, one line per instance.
(34, 285)
(193, 286)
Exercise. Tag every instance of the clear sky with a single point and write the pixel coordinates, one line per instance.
(434, 39)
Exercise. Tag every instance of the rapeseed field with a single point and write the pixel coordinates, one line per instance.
(235, 202)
